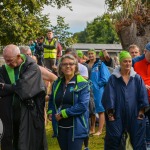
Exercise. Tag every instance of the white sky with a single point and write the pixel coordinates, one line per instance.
(83, 11)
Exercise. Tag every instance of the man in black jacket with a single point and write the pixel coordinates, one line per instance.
(22, 103)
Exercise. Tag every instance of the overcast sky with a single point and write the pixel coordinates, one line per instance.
(83, 11)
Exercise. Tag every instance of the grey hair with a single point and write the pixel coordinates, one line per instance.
(24, 49)
(69, 56)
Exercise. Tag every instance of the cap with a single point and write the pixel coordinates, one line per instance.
(92, 50)
(101, 54)
(79, 53)
(123, 55)
(147, 47)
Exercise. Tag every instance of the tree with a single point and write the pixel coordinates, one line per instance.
(132, 21)
(21, 20)
(100, 30)
(62, 33)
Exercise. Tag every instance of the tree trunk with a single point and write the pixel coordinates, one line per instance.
(134, 35)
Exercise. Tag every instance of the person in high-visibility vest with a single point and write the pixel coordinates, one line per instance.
(50, 50)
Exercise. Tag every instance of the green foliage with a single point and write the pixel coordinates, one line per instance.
(62, 33)
(100, 30)
(21, 21)
(125, 8)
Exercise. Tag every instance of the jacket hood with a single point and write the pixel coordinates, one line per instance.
(116, 72)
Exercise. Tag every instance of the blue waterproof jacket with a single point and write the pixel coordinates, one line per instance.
(99, 77)
(128, 99)
(80, 109)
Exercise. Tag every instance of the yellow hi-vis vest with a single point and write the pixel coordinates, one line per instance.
(50, 53)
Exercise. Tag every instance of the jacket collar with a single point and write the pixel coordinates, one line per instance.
(116, 72)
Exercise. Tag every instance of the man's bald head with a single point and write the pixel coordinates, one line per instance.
(11, 50)
(11, 54)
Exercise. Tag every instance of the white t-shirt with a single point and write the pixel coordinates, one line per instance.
(83, 70)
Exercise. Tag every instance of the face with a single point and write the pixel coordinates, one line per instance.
(29, 53)
(134, 52)
(50, 35)
(68, 67)
(41, 40)
(12, 61)
(147, 56)
(91, 55)
(126, 64)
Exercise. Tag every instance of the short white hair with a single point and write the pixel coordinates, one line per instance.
(11, 50)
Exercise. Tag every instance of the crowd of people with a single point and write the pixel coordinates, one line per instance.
(79, 90)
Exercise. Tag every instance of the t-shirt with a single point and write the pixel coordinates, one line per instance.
(83, 70)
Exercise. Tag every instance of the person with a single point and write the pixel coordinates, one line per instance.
(105, 58)
(59, 51)
(134, 50)
(116, 61)
(50, 50)
(46, 74)
(32, 45)
(81, 59)
(125, 100)
(141, 65)
(99, 75)
(83, 70)
(91, 102)
(23, 91)
(39, 51)
(69, 101)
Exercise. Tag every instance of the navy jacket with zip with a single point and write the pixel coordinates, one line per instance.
(80, 109)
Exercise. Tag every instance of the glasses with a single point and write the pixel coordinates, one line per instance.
(68, 64)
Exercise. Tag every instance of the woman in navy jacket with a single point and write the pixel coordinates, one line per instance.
(69, 102)
(125, 99)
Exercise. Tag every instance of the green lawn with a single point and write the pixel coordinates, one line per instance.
(95, 142)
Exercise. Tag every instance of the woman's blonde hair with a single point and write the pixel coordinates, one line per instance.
(69, 56)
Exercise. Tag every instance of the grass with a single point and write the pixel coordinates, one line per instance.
(95, 142)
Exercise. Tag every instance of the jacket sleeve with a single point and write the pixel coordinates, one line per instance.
(109, 95)
(104, 75)
(80, 107)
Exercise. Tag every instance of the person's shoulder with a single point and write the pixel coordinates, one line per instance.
(81, 65)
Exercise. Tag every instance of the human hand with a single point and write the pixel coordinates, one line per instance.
(111, 117)
(58, 116)
(140, 116)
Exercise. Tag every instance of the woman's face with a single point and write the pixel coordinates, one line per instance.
(126, 64)
(91, 55)
(68, 67)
